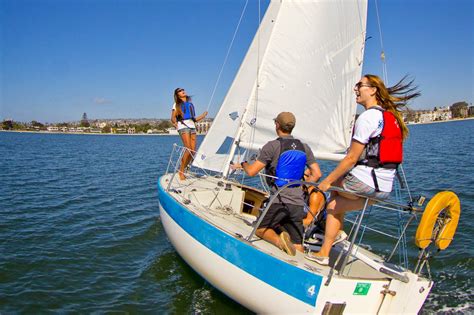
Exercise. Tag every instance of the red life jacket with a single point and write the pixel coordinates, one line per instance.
(391, 142)
(386, 149)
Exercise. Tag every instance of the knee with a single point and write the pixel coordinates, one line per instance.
(331, 206)
(335, 210)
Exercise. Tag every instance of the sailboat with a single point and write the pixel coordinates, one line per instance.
(305, 58)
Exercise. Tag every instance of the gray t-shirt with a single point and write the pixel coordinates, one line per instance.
(269, 156)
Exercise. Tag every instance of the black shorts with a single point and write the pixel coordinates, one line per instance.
(286, 217)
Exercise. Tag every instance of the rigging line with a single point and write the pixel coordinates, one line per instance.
(382, 55)
(227, 54)
(406, 183)
(385, 78)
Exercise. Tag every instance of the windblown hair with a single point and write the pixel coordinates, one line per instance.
(179, 102)
(394, 98)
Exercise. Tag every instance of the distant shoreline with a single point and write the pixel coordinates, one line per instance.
(90, 133)
(440, 121)
(167, 134)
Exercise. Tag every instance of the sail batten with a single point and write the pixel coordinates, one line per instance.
(310, 56)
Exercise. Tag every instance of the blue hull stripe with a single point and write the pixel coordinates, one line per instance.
(287, 278)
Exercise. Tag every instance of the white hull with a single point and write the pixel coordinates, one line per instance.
(265, 280)
(234, 282)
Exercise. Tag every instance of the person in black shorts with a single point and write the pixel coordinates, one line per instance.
(284, 159)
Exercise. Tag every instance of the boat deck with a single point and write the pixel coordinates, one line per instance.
(220, 203)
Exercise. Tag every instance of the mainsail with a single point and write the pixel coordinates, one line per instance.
(305, 58)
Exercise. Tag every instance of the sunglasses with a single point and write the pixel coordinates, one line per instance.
(179, 90)
(360, 84)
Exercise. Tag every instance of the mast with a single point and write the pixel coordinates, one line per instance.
(225, 172)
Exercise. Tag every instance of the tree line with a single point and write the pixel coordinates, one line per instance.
(161, 126)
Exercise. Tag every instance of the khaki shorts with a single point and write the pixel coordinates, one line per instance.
(353, 184)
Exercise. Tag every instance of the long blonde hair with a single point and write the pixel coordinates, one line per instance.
(179, 102)
(394, 98)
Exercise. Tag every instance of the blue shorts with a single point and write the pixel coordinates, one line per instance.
(187, 130)
(353, 184)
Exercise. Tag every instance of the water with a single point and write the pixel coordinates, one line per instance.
(80, 229)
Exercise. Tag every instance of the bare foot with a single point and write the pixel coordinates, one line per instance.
(181, 176)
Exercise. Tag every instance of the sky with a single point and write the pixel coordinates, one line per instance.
(124, 58)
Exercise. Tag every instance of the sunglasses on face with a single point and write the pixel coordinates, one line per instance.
(360, 84)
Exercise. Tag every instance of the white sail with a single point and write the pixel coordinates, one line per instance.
(309, 56)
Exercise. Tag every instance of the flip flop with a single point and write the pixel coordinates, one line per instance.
(286, 244)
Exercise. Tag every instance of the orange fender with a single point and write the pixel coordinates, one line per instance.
(446, 226)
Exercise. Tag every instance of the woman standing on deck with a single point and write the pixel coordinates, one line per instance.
(183, 118)
(375, 182)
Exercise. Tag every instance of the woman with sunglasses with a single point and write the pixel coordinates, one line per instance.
(353, 174)
(183, 118)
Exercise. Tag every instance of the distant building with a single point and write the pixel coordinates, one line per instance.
(443, 113)
(425, 116)
(152, 131)
(131, 130)
(118, 130)
(52, 129)
(203, 126)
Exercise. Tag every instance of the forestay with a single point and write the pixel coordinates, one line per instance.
(308, 54)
